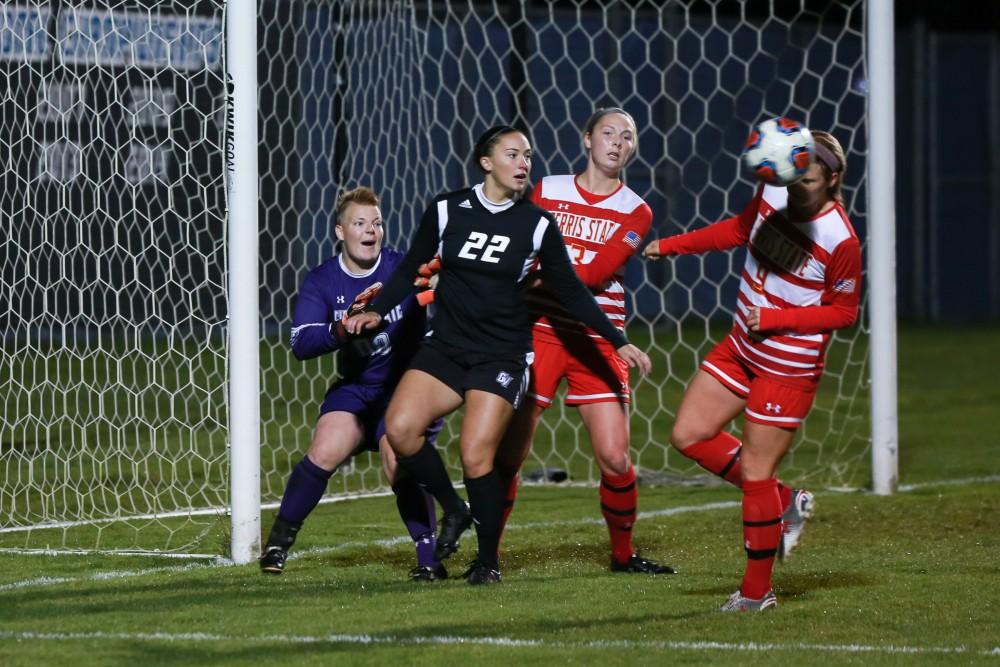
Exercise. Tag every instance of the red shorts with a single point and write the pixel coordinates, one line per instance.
(594, 371)
(770, 401)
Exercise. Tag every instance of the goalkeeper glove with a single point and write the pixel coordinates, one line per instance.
(359, 305)
(427, 280)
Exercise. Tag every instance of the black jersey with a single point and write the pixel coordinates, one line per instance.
(486, 252)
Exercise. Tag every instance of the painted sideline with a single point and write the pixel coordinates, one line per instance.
(504, 642)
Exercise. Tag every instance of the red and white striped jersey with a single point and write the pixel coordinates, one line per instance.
(601, 233)
(804, 276)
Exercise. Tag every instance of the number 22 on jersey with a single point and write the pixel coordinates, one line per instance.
(494, 245)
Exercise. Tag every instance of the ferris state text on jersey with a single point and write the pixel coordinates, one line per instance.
(601, 233)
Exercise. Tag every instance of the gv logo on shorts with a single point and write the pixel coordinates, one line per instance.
(504, 379)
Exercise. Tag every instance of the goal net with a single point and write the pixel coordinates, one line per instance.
(113, 121)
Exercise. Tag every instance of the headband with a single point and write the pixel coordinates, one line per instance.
(826, 156)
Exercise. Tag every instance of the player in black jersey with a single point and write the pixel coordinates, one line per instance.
(478, 350)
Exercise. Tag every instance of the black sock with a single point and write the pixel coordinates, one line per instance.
(427, 468)
(486, 497)
(283, 533)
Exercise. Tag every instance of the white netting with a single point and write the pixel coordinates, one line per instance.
(111, 132)
(113, 263)
(396, 98)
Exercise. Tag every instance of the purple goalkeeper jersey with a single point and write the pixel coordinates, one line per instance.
(326, 293)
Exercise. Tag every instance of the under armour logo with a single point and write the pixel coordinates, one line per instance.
(563, 207)
(772, 407)
(340, 299)
(465, 204)
(504, 379)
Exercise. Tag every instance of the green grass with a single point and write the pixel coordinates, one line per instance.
(917, 570)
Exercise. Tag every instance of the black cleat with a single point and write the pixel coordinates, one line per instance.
(428, 573)
(480, 574)
(273, 560)
(452, 527)
(640, 565)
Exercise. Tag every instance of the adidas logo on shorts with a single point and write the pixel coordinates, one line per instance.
(504, 379)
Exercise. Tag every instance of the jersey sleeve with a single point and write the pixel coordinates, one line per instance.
(617, 250)
(422, 248)
(723, 235)
(311, 335)
(839, 304)
(561, 279)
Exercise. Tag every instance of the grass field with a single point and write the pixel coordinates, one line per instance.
(910, 578)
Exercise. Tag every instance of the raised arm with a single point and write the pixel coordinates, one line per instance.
(723, 235)
(422, 248)
(617, 250)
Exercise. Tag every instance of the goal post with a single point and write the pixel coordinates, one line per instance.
(242, 281)
(882, 245)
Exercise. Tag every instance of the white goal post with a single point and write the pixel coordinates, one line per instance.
(147, 408)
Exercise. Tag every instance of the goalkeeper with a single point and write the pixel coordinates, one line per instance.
(351, 416)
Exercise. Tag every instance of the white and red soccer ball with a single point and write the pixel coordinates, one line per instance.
(779, 151)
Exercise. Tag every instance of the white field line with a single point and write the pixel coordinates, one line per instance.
(504, 642)
(343, 546)
(222, 511)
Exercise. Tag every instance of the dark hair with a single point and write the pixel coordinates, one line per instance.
(488, 139)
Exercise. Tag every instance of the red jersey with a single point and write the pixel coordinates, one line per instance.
(601, 233)
(804, 276)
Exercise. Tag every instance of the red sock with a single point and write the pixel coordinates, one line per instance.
(786, 496)
(761, 532)
(721, 456)
(509, 479)
(619, 498)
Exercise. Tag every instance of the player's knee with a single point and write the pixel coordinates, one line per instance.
(756, 468)
(682, 436)
(403, 434)
(614, 463)
(476, 464)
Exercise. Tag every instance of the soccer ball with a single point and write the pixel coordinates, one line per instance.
(778, 151)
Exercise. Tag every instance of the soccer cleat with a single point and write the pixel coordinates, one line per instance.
(452, 527)
(428, 573)
(480, 574)
(793, 521)
(638, 564)
(273, 560)
(737, 602)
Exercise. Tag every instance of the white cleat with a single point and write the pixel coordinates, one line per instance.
(793, 521)
(737, 602)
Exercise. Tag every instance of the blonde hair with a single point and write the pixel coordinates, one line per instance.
(830, 143)
(360, 195)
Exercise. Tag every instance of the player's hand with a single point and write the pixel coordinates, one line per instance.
(635, 358)
(753, 319)
(362, 300)
(652, 251)
(427, 274)
(362, 322)
(427, 280)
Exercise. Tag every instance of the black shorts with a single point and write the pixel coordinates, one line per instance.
(462, 370)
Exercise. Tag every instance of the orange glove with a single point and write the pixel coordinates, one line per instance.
(426, 280)
(362, 300)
